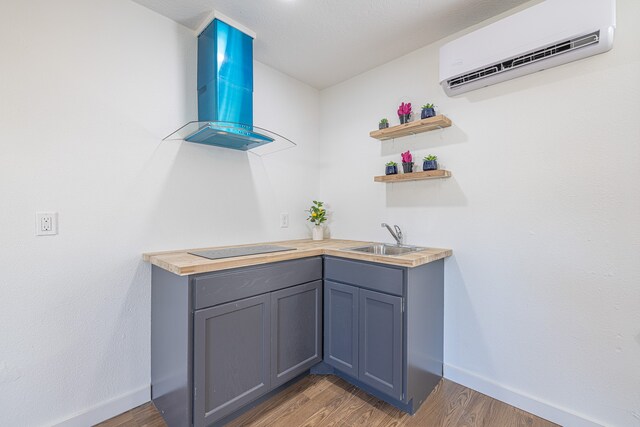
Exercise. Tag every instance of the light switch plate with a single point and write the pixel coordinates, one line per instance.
(284, 220)
(46, 223)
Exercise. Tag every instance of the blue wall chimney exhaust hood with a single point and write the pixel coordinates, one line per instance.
(225, 93)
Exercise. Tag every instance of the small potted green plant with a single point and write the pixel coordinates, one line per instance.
(428, 110)
(430, 163)
(407, 162)
(317, 215)
(391, 168)
(384, 123)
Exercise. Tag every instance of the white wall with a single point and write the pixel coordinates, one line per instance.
(87, 91)
(542, 212)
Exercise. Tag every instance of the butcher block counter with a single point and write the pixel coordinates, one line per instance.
(182, 263)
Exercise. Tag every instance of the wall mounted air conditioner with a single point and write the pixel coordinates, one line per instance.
(546, 35)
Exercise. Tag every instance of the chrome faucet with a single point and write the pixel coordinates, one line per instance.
(397, 234)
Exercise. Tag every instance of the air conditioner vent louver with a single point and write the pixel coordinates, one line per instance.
(528, 58)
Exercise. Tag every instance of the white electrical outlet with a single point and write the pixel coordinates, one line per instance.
(284, 220)
(46, 223)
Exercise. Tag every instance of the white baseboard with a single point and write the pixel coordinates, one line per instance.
(536, 406)
(108, 409)
(518, 399)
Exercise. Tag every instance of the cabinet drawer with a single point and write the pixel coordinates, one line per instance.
(365, 275)
(230, 285)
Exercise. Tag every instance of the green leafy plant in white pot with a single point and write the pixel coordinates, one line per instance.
(317, 216)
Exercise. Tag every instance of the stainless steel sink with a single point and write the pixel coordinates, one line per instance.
(385, 249)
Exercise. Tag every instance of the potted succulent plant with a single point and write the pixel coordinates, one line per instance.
(391, 168)
(317, 215)
(404, 112)
(428, 110)
(430, 163)
(384, 123)
(407, 162)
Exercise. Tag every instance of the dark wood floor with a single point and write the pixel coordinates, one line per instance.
(319, 400)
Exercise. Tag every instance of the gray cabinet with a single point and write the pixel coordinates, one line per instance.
(383, 327)
(221, 340)
(363, 336)
(245, 348)
(341, 327)
(231, 357)
(296, 331)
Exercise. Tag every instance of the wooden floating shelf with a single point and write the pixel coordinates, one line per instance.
(413, 176)
(425, 125)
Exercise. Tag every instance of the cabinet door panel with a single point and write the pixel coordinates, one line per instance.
(231, 357)
(341, 327)
(381, 342)
(296, 331)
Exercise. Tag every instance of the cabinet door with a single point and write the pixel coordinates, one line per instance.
(381, 342)
(231, 357)
(296, 331)
(341, 327)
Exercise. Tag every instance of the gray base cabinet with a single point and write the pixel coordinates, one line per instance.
(219, 341)
(363, 336)
(246, 348)
(383, 327)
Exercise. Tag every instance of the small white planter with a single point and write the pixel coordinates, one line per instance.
(318, 232)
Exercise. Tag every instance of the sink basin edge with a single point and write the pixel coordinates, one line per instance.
(386, 249)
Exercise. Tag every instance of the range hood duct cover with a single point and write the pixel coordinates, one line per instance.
(225, 94)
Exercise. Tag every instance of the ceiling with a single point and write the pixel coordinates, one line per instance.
(324, 42)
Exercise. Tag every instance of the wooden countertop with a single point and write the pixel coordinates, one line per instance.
(183, 264)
